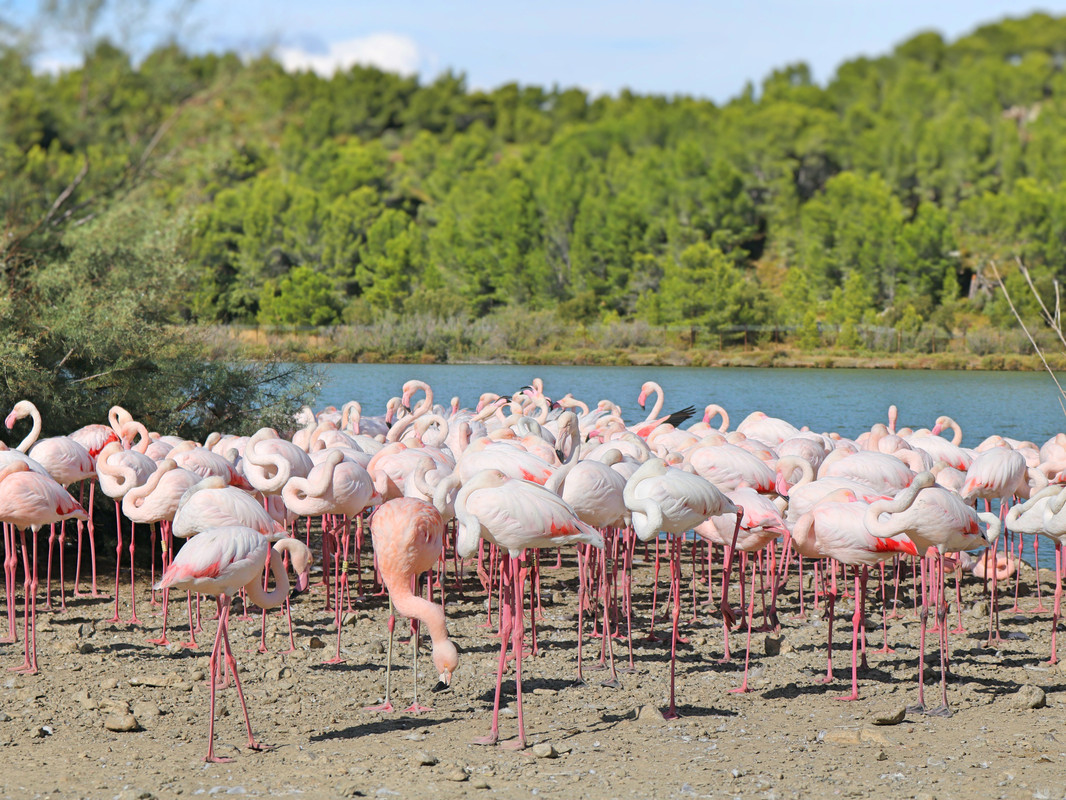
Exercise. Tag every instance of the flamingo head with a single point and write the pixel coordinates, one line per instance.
(446, 660)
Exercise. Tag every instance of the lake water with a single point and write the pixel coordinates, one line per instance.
(1021, 405)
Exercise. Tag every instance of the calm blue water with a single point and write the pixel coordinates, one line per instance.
(1020, 405)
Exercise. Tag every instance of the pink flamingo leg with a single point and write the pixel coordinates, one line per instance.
(387, 705)
(743, 688)
(504, 615)
(920, 707)
(1058, 598)
(133, 585)
(516, 645)
(856, 620)
(675, 590)
(10, 562)
(118, 559)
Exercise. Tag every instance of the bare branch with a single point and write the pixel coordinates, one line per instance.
(1047, 314)
(1032, 341)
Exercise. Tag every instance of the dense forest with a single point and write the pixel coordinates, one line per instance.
(218, 189)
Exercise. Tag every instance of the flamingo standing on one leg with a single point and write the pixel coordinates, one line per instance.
(219, 562)
(516, 515)
(673, 501)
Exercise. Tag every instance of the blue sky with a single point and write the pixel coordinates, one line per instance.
(707, 49)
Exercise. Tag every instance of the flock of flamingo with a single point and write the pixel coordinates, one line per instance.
(484, 489)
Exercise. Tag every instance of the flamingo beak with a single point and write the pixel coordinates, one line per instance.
(444, 683)
(303, 580)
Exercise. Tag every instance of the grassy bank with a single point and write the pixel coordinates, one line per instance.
(541, 339)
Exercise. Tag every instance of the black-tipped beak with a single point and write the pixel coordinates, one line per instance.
(641, 406)
(559, 453)
(441, 687)
(407, 408)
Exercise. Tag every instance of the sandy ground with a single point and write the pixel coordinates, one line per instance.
(788, 737)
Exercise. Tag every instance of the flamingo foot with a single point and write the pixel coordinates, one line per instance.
(334, 660)
(883, 650)
(612, 683)
(917, 708)
(848, 697)
(286, 652)
(489, 738)
(742, 689)
(515, 744)
(942, 711)
(211, 758)
(628, 670)
(134, 620)
(1050, 662)
(725, 660)
(415, 708)
(671, 713)
(162, 641)
(189, 645)
(385, 707)
(259, 747)
(823, 680)
(8, 640)
(1040, 609)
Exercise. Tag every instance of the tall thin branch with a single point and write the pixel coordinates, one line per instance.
(1032, 341)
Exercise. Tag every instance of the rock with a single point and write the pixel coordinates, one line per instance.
(198, 674)
(889, 716)
(1029, 696)
(348, 790)
(144, 710)
(85, 648)
(427, 759)
(479, 783)
(647, 713)
(882, 755)
(151, 680)
(840, 736)
(544, 750)
(558, 598)
(979, 609)
(134, 794)
(67, 648)
(349, 618)
(776, 645)
(458, 775)
(316, 643)
(873, 736)
(86, 629)
(121, 723)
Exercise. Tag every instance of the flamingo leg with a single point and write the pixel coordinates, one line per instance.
(504, 615)
(856, 622)
(1058, 599)
(919, 708)
(231, 664)
(743, 688)
(386, 706)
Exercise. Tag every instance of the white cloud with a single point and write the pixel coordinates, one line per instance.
(387, 51)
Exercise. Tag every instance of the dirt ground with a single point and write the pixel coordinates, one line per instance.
(787, 738)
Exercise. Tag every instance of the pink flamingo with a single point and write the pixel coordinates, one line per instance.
(835, 528)
(408, 536)
(67, 462)
(336, 486)
(219, 562)
(935, 517)
(673, 501)
(516, 515)
(119, 471)
(30, 500)
(156, 500)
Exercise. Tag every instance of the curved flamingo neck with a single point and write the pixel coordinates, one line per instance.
(659, 399)
(35, 431)
(276, 596)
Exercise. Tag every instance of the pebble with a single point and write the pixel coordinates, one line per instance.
(349, 618)
(121, 723)
(316, 643)
(544, 750)
(458, 775)
(479, 783)
(134, 794)
(776, 645)
(144, 710)
(1029, 696)
(109, 683)
(893, 716)
(427, 759)
(151, 680)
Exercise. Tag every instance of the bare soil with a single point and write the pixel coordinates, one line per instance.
(788, 737)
